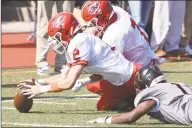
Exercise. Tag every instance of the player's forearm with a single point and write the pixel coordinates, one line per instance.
(49, 80)
(139, 111)
(123, 118)
(55, 78)
(58, 86)
(65, 83)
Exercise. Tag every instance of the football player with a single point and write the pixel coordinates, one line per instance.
(86, 52)
(167, 102)
(116, 28)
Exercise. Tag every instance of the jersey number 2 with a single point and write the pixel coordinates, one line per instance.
(76, 54)
(135, 26)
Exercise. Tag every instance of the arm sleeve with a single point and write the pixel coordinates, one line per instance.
(143, 96)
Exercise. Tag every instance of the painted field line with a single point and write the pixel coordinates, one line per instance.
(17, 72)
(9, 108)
(83, 97)
(40, 99)
(88, 98)
(43, 102)
(87, 95)
(39, 125)
(25, 71)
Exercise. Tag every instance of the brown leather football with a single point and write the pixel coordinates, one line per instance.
(22, 103)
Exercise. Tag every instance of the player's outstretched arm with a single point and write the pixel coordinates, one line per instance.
(48, 80)
(55, 78)
(58, 86)
(128, 117)
(71, 78)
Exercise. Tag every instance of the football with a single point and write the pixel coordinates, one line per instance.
(22, 103)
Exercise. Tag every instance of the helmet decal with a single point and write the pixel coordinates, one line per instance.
(94, 8)
(149, 76)
(58, 22)
(139, 76)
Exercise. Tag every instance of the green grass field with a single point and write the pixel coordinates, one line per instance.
(69, 109)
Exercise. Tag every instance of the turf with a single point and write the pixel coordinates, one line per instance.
(69, 109)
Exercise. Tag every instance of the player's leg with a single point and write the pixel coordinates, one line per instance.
(145, 10)
(135, 8)
(160, 24)
(96, 87)
(176, 19)
(102, 87)
(187, 29)
(60, 62)
(115, 97)
(107, 102)
(44, 9)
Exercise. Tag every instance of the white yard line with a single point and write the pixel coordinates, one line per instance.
(88, 98)
(9, 108)
(39, 125)
(87, 95)
(42, 102)
(83, 97)
(40, 99)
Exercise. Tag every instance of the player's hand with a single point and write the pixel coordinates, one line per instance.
(98, 120)
(30, 81)
(78, 85)
(32, 90)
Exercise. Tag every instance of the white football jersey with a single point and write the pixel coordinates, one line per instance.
(129, 39)
(89, 50)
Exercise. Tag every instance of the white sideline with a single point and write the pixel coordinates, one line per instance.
(40, 125)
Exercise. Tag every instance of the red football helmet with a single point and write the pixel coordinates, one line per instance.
(60, 28)
(97, 13)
